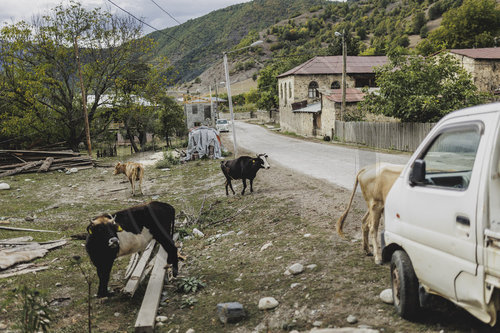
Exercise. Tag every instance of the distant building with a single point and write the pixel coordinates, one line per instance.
(309, 93)
(199, 111)
(483, 64)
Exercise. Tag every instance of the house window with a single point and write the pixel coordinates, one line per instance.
(284, 93)
(289, 90)
(335, 85)
(194, 109)
(313, 89)
(208, 112)
(281, 90)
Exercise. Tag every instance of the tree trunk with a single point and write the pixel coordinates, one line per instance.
(132, 141)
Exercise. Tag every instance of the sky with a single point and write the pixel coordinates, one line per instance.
(181, 10)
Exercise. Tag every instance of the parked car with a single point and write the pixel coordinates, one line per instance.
(222, 125)
(442, 218)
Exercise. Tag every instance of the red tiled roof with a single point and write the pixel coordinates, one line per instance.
(484, 53)
(351, 95)
(333, 65)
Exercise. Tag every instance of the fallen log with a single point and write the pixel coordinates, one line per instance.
(46, 164)
(26, 166)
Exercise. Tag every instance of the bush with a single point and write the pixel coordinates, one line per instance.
(169, 159)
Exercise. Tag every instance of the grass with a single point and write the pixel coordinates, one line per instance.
(228, 261)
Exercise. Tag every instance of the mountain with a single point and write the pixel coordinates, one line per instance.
(196, 44)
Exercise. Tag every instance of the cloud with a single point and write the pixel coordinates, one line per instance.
(181, 10)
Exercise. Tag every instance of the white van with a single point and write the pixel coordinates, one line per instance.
(442, 217)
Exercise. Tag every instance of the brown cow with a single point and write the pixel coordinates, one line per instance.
(134, 171)
(375, 182)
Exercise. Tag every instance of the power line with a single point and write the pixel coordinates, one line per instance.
(173, 18)
(145, 23)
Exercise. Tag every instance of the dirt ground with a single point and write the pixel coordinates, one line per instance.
(293, 213)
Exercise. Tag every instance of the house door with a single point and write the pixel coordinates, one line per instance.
(316, 123)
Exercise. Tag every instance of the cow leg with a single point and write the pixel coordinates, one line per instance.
(132, 181)
(244, 186)
(365, 230)
(169, 246)
(103, 272)
(374, 223)
(251, 185)
(228, 182)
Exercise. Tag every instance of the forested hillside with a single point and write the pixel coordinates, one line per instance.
(197, 43)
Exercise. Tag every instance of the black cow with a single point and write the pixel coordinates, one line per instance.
(243, 168)
(129, 231)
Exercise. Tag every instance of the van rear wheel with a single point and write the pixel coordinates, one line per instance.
(404, 286)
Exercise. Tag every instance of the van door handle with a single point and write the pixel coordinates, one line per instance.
(463, 220)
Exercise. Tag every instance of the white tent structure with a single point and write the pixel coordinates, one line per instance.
(201, 139)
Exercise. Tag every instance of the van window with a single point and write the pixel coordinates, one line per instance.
(450, 158)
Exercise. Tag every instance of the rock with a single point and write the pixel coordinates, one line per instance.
(296, 269)
(267, 303)
(311, 267)
(4, 186)
(239, 233)
(294, 285)
(307, 235)
(58, 284)
(161, 319)
(386, 296)
(117, 314)
(29, 218)
(265, 246)
(3, 326)
(73, 170)
(190, 330)
(229, 233)
(198, 233)
(317, 323)
(155, 197)
(352, 319)
(231, 312)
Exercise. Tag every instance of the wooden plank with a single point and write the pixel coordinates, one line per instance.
(26, 229)
(146, 318)
(135, 278)
(24, 271)
(134, 259)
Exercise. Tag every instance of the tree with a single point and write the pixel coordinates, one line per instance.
(39, 71)
(171, 119)
(417, 89)
(475, 23)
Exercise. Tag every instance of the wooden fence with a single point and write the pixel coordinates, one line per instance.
(399, 136)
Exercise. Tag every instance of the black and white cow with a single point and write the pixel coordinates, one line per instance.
(244, 167)
(129, 231)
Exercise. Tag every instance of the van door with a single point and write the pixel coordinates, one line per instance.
(439, 214)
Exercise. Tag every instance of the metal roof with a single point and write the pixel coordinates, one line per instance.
(333, 65)
(484, 53)
(313, 108)
(351, 95)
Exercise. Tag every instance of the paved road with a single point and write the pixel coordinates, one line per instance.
(334, 163)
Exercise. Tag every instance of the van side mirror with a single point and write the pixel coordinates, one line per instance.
(417, 175)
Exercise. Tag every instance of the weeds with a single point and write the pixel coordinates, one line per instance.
(188, 302)
(190, 285)
(169, 159)
(35, 314)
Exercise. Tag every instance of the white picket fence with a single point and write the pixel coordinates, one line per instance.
(398, 136)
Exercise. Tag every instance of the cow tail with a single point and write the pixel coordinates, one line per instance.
(341, 220)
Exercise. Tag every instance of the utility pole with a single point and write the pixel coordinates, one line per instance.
(84, 99)
(344, 58)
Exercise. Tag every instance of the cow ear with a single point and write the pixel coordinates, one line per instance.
(89, 230)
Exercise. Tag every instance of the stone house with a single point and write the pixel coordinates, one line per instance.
(308, 93)
(201, 111)
(484, 66)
